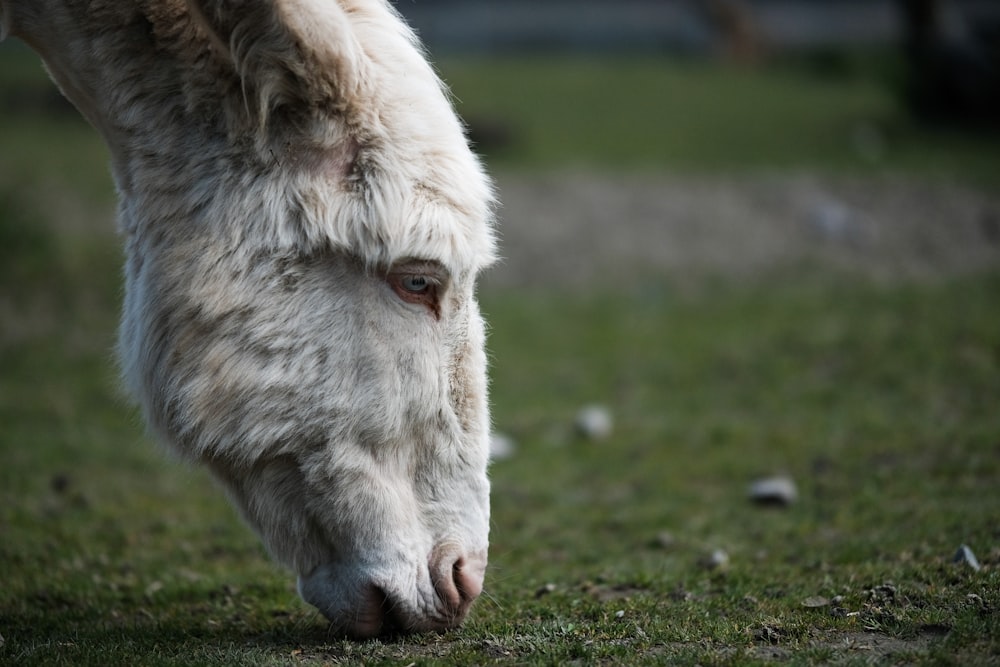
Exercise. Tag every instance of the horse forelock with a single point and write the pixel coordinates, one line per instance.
(307, 123)
(413, 187)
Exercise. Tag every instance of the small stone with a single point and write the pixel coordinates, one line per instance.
(620, 613)
(501, 447)
(545, 590)
(594, 422)
(716, 560)
(778, 491)
(815, 602)
(965, 555)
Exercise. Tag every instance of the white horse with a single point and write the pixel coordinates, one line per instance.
(303, 222)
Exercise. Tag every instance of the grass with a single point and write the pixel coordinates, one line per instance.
(651, 113)
(879, 400)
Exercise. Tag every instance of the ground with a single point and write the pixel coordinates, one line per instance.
(582, 228)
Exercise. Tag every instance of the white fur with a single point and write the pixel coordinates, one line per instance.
(277, 163)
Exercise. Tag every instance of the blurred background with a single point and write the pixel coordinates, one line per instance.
(738, 100)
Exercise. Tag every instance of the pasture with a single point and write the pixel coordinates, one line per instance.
(877, 391)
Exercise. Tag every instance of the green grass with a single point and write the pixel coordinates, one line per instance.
(879, 400)
(881, 403)
(651, 113)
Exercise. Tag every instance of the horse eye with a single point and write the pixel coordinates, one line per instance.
(415, 284)
(419, 283)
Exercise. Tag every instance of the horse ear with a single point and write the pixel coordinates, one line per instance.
(287, 51)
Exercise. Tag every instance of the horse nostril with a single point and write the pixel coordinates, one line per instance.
(458, 579)
(468, 579)
(367, 622)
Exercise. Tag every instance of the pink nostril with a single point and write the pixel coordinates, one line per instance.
(468, 578)
(458, 579)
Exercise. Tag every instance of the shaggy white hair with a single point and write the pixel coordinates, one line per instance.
(303, 224)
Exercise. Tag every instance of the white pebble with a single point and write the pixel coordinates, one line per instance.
(965, 555)
(773, 491)
(594, 422)
(716, 560)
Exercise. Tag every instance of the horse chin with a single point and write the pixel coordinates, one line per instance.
(362, 605)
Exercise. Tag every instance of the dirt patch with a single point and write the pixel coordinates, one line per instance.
(572, 229)
(873, 645)
(865, 647)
